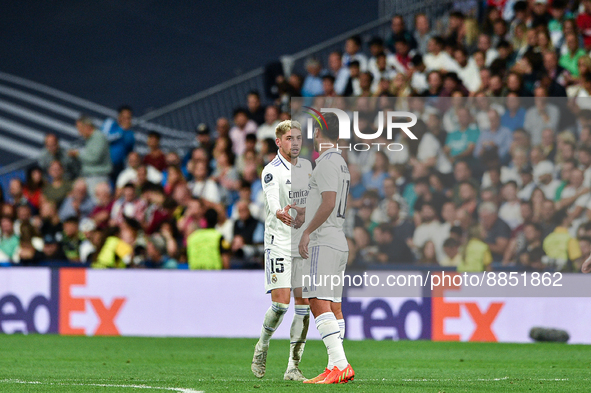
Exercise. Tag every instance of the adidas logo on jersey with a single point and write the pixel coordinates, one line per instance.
(305, 289)
(287, 182)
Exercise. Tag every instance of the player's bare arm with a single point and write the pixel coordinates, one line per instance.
(326, 207)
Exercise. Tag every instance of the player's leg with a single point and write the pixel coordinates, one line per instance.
(338, 373)
(321, 296)
(278, 282)
(299, 325)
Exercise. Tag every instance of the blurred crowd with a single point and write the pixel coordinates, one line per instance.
(499, 177)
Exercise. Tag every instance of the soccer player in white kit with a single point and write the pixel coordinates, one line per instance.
(325, 249)
(285, 183)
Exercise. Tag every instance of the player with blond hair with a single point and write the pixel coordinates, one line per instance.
(285, 184)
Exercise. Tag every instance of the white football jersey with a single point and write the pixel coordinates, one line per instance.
(331, 174)
(300, 189)
(277, 178)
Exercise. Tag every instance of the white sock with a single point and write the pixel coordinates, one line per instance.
(297, 334)
(273, 318)
(341, 323)
(331, 335)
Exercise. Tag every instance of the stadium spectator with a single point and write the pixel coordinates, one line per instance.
(15, 192)
(104, 204)
(256, 112)
(398, 32)
(9, 240)
(267, 129)
(71, 239)
(50, 220)
(202, 186)
(52, 151)
(125, 206)
(496, 233)
(451, 248)
(155, 156)
(116, 249)
(206, 248)
(130, 174)
(28, 253)
(58, 189)
(460, 143)
(95, 156)
(174, 176)
(422, 32)
(477, 256)
(430, 228)
(541, 116)
(312, 86)
(242, 126)
(247, 232)
(34, 183)
(563, 251)
(78, 203)
(544, 177)
(338, 71)
(157, 253)
(120, 137)
(496, 136)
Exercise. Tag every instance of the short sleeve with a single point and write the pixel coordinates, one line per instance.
(327, 177)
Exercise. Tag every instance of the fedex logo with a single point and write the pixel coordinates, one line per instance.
(446, 312)
(69, 305)
(379, 316)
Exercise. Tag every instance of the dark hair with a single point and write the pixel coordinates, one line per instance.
(385, 228)
(520, 6)
(456, 14)
(154, 134)
(254, 93)
(271, 145)
(329, 77)
(354, 63)
(251, 138)
(124, 107)
(332, 130)
(29, 182)
(451, 242)
(356, 39)
(211, 217)
(559, 216)
(237, 111)
(245, 184)
(376, 41)
(72, 220)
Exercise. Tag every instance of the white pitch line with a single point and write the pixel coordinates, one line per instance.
(103, 385)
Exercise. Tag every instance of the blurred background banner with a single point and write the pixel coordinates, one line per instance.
(179, 303)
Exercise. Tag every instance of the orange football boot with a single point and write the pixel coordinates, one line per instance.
(339, 376)
(319, 378)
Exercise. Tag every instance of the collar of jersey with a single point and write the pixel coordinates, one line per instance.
(283, 160)
(331, 150)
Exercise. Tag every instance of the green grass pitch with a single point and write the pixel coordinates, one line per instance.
(122, 364)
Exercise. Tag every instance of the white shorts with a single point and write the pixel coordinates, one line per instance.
(323, 263)
(278, 272)
(297, 269)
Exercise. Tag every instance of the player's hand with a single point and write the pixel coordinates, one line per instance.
(300, 216)
(303, 246)
(284, 216)
(586, 268)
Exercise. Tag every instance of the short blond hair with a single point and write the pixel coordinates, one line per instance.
(285, 126)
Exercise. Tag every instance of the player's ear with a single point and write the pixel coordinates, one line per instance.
(278, 142)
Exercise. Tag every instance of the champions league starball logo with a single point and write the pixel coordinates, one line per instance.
(393, 121)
